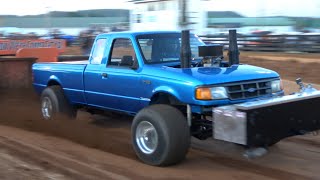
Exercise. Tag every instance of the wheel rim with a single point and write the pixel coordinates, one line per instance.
(146, 137)
(46, 108)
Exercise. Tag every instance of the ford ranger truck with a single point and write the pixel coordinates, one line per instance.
(140, 74)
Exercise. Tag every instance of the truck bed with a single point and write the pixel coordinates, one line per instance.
(74, 62)
(68, 74)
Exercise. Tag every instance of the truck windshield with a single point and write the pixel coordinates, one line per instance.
(161, 48)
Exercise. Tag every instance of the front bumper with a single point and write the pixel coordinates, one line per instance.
(265, 122)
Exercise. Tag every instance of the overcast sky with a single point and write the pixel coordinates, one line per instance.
(307, 8)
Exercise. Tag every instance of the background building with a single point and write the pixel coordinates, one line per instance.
(168, 15)
(194, 15)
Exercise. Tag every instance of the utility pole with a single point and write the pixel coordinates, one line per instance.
(183, 22)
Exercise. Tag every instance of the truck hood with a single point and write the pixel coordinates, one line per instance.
(217, 75)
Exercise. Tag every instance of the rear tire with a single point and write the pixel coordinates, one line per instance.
(54, 103)
(160, 135)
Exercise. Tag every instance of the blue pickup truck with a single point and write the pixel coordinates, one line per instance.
(140, 74)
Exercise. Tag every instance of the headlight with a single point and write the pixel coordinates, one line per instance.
(276, 86)
(204, 93)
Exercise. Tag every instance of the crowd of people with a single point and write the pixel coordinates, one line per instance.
(86, 39)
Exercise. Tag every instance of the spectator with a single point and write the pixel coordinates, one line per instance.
(87, 40)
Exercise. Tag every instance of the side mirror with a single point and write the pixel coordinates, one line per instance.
(126, 61)
(135, 65)
(129, 62)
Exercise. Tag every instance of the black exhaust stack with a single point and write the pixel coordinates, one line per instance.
(233, 48)
(185, 52)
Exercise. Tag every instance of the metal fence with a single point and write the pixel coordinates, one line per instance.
(271, 43)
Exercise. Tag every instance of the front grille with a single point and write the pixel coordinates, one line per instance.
(251, 89)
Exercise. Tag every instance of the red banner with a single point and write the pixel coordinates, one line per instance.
(11, 46)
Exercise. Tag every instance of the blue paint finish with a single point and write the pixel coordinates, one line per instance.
(68, 75)
(39, 87)
(120, 90)
(128, 90)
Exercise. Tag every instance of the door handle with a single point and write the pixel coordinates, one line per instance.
(105, 75)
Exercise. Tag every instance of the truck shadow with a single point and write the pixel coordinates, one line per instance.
(111, 120)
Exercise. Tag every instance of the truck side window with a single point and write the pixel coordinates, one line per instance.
(146, 47)
(122, 53)
(98, 51)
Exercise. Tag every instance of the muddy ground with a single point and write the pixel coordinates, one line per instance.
(289, 66)
(99, 147)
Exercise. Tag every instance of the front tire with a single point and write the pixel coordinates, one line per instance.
(160, 135)
(54, 103)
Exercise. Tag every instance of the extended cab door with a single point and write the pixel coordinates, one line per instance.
(119, 82)
(92, 74)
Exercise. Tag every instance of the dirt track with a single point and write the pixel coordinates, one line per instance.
(289, 66)
(95, 147)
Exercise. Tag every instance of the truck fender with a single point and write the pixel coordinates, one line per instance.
(166, 90)
(54, 80)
